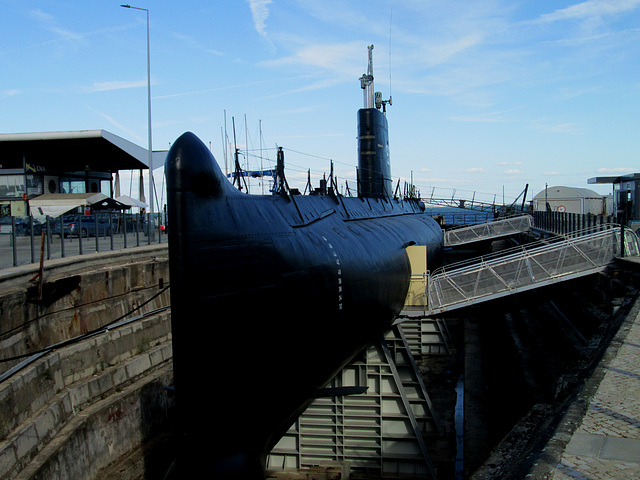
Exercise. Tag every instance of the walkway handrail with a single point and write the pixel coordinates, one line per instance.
(487, 278)
(488, 230)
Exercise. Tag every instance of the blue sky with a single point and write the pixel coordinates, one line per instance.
(487, 95)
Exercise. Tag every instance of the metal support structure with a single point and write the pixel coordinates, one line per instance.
(426, 335)
(488, 230)
(486, 278)
(381, 432)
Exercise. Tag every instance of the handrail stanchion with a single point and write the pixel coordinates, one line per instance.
(48, 220)
(80, 252)
(32, 240)
(14, 241)
(123, 226)
(137, 229)
(95, 221)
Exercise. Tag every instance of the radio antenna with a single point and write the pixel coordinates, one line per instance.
(390, 24)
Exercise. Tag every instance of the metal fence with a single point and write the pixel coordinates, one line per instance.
(489, 230)
(25, 240)
(578, 254)
(563, 222)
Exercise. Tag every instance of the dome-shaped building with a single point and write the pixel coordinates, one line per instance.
(570, 200)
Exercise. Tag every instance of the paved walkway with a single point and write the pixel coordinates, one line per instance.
(606, 442)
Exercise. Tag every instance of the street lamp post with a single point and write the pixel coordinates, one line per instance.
(151, 223)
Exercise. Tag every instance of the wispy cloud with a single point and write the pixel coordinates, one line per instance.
(294, 111)
(67, 37)
(616, 170)
(195, 44)
(50, 23)
(116, 124)
(209, 90)
(591, 8)
(566, 127)
(11, 92)
(42, 16)
(320, 84)
(114, 85)
(485, 117)
(340, 58)
(260, 13)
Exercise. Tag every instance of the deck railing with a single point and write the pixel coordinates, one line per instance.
(520, 269)
(487, 230)
(24, 239)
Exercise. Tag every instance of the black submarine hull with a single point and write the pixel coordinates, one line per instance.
(271, 296)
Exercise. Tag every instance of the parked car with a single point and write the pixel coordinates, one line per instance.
(6, 227)
(38, 227)
(82, 225)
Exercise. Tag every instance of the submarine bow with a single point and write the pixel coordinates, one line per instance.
(271, 296)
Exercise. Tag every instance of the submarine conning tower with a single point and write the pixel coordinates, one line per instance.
(374, 168)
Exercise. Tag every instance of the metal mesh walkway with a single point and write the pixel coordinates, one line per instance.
(521, 269)
(485, 231)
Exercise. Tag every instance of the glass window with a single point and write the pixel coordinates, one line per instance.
(12, 185)
(34, 185)
(71, 185)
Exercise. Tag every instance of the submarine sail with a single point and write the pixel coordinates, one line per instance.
(273, 294)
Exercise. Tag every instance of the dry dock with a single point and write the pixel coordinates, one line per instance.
(104, 401)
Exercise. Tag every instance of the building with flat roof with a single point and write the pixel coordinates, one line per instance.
(626, 197)
(59, 163)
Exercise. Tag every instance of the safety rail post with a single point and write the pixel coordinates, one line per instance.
(137, 229)
(48, 222)
(80, 251)
(97, 231)
(123, 226)
(110, 231)
(32, 239)
(14, 241)
(149, 228)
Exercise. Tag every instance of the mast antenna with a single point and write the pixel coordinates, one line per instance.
(390, 25)
(372, 99)
(366, 81)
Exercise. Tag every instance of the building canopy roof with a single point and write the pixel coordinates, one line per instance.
(96, 150)
(617, 179)
(55, 204)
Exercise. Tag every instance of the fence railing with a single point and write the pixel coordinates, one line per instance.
(488, 230)
(578, 254)
(23, 240)
(563, 222)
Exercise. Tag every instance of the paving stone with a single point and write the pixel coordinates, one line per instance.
(585, 444)
(606, 443)
(625, 449)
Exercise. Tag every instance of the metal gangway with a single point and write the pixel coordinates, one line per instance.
(527, 267)
(487, 230)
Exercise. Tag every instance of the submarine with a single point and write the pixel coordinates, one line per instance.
(271, 295)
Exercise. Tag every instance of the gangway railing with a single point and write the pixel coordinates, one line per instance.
(527, 267)
(488, 230)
